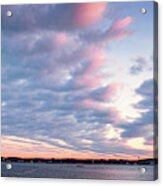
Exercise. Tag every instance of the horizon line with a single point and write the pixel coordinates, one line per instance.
(78, 159)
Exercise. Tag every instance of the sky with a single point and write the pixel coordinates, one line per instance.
(77, 81)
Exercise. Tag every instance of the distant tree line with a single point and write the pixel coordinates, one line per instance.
(81, 161)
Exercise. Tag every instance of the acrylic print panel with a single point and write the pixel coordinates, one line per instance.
(79, 90)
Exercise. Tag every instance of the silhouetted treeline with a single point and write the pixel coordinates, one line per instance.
(77, 161)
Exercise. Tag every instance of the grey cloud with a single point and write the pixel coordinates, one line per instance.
(33, 17)
(139, 66)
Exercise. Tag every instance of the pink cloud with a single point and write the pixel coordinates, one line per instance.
(112, 90)
(119, 28)
(92, 104)
(60, 38)
(87, 14)
(115, 115)
(89, 81)
(97, 58)
(122, 23)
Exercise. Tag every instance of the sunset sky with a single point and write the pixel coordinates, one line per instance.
(77, 81)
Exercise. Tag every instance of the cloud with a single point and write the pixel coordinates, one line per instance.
(65, 18)
(139, 143)
(136, 69)
(27, 20)
(88, 14)
(61, 38)
(146, 88)
(96, 60)
(122, 23)
(135, 129)
(112, 91)
(139, 66)
(142, 127)
(89, 103)
(59, 17)
(119, 30)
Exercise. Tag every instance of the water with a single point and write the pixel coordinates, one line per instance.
(79, 171)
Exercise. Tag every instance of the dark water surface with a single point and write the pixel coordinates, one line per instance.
(79, 171)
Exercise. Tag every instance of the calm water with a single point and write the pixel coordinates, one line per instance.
(79, 171)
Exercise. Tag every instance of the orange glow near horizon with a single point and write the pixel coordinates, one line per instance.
(26, 148)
